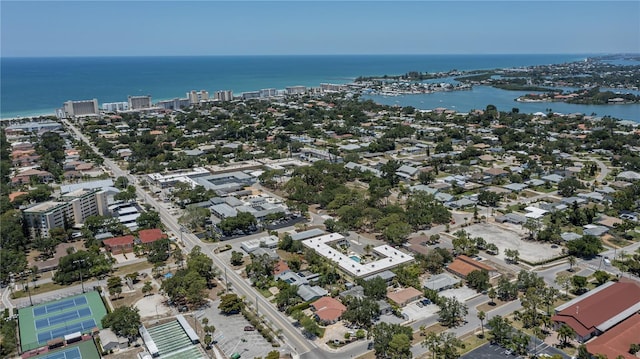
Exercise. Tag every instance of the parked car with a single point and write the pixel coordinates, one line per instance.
(249, 328)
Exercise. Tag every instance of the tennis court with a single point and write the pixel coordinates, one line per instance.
(61, 318)
(52, 320)
(73, 353)
(59, 306)
(81, 350)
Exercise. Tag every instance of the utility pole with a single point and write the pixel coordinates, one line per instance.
(81, 281)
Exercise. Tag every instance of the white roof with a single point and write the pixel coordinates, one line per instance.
(392, 256)
(534, 212)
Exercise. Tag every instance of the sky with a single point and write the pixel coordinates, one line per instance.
(186, 28)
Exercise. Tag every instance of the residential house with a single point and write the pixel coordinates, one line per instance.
(309, 293)
(147, 236)
(463, 265)
(24, 177)
(328, 310)
(118, 245)
(404, 296)
(440, 282)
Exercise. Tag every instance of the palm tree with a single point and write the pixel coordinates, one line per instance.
(564, 333)
(482, 316)
(572, 261)
(492, 294)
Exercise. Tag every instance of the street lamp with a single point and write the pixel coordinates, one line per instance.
(81, 281)
(26, 286)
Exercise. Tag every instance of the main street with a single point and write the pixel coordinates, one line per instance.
(294, 338)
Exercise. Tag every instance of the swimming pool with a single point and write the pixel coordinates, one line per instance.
(355, 258)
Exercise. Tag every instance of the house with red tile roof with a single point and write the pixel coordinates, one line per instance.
(119, 245)
(280, 267)
(328, 310)
(601, 309)
(463, 265)
(150, 235)
(404, 296)
(25, 177)
(617, 340)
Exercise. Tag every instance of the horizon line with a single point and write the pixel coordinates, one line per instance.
(343, 54)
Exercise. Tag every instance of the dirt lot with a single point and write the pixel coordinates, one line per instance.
(508, 237)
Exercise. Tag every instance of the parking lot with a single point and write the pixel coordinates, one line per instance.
(510, 239)
(413, 312)
(494, 351)
(488, 351)
(230, 336)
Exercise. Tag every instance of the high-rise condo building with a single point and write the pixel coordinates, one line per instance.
(197, 96)
(80, 108)
(139, 102)
(226, 95)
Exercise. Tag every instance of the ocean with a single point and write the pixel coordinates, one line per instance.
(35, 86)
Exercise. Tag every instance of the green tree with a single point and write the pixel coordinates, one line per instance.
(568, 186)
(397, 233)
(383, 335)
(565, 333)
(500, 329)
(601, 277)
(481, 317)
(452, 312)
(572, 261)
(236, 258)
(512, 255)
(147, 288)
(230, 304)
(375, 288)
(361, 312)
(478, 280)
(114, 285)
(123, 321)
(564, 281)
(149, 220)
(159, 251)
(579, 283)
(586, 247)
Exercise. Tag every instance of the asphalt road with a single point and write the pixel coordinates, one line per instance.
(293, 336)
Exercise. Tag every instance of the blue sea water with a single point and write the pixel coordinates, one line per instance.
(33, 86)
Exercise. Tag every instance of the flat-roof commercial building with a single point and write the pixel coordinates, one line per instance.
(390, 257)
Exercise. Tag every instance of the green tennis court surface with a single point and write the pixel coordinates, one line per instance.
(82, 350)
(41, 323)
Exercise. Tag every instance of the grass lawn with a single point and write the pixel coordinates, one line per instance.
(130, 268)
(436, 328)
(487, 307)
(42, 288)
(473, 341)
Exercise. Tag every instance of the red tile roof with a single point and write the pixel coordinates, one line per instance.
(119, 241)
(150, 235)
(464, 265)
(280, 267)
(328, 309)
(595, 309)
(402, 296)
(616, 341)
